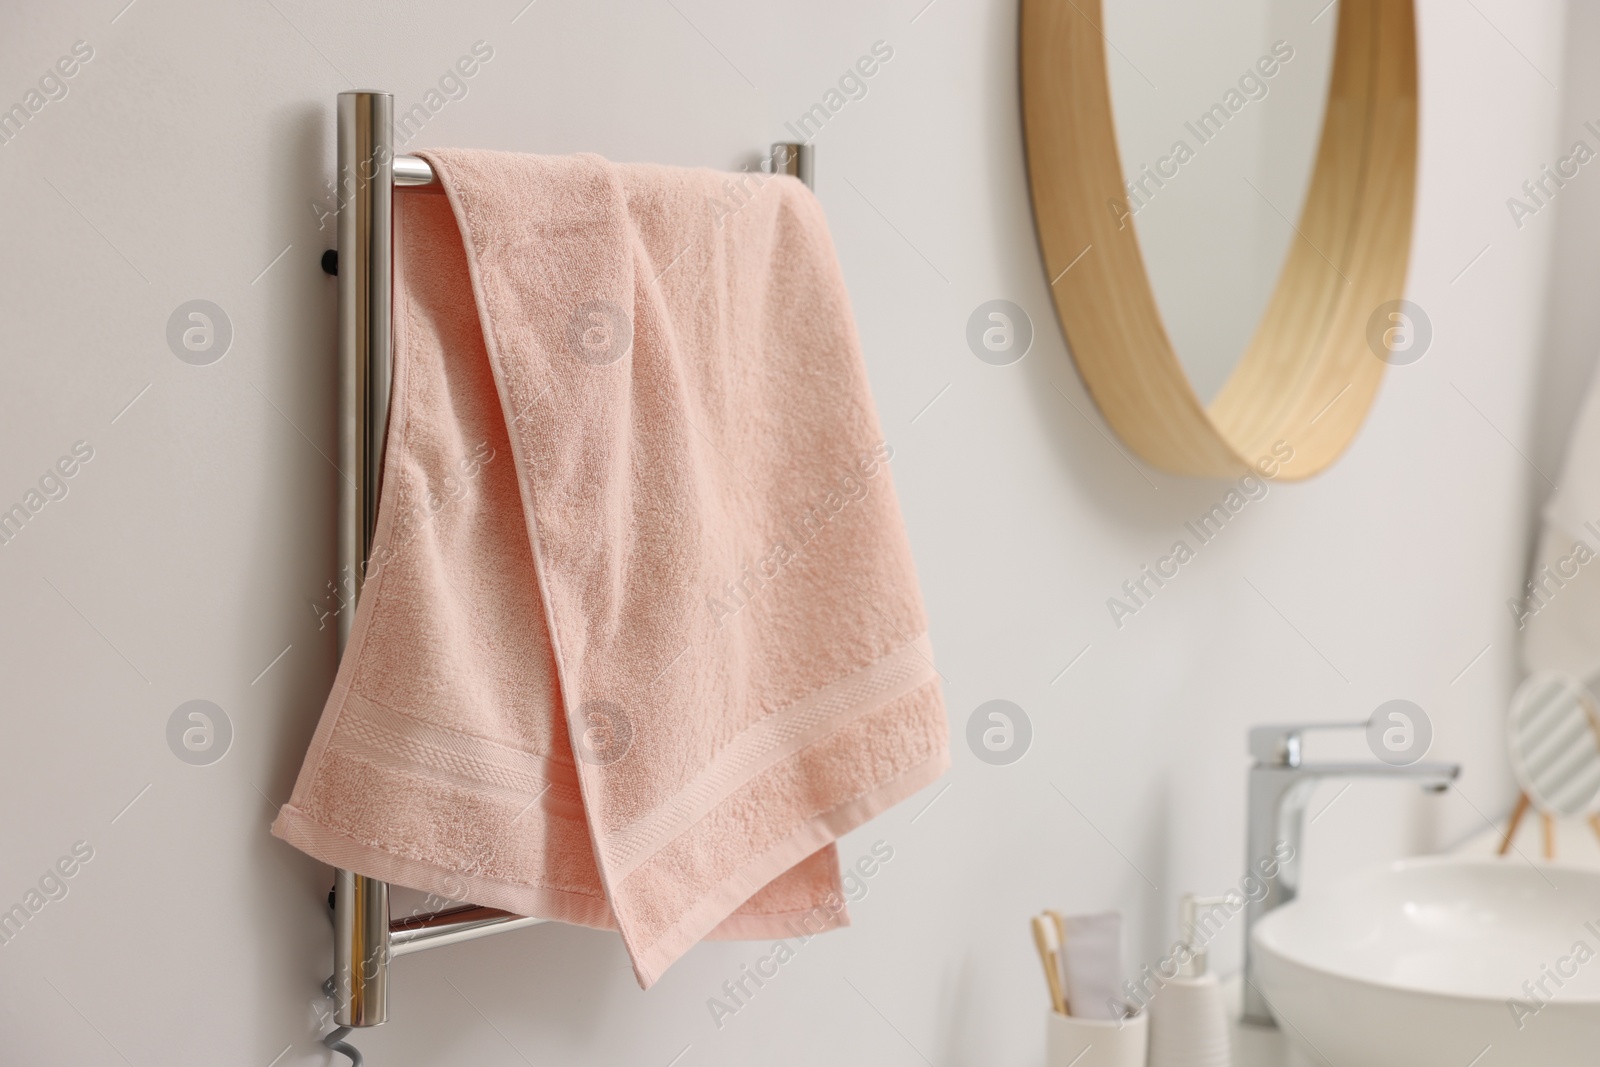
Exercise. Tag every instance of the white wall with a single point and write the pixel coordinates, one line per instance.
(189, 551)
(1569, 220)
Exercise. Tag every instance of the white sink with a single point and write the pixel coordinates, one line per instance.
(1422, 964)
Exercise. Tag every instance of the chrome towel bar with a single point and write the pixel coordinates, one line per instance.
(412, 171)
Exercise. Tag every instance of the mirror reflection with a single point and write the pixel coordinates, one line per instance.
(1218, 111)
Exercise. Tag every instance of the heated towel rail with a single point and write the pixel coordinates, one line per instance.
(366, 938)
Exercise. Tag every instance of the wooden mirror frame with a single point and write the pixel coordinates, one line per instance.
(1304, 385)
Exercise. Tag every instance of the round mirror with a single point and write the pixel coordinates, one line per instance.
(1223, 196)
(1553, 732)
(1218, 107)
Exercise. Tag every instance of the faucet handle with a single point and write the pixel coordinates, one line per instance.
(1279, 746)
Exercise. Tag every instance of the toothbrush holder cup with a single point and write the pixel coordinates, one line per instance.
(1074, 1042)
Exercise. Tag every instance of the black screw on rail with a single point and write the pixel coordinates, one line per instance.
(330, 261)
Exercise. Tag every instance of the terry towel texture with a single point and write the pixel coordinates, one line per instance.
(640, 636)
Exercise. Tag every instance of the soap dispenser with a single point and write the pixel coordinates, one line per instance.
(1188, 1019)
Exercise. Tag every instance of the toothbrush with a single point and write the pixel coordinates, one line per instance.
(1060, 924)
(1047, 940)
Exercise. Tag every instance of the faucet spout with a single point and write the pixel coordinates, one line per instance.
(1281, 783)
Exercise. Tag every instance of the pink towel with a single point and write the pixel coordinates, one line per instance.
(641, 635)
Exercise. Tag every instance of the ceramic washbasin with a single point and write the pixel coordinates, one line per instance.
(1439, 962)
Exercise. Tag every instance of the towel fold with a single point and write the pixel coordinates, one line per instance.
(640, 636)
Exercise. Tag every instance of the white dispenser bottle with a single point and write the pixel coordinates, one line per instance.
(1188, 1019)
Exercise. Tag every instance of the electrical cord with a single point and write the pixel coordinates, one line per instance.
(336, 1037)
(336, 1041)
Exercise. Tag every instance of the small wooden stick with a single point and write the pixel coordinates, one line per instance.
(1549, 836)
(1594, 823)
(1523, 803)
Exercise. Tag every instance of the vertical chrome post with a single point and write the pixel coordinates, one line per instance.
(794, 158)
(366, 256)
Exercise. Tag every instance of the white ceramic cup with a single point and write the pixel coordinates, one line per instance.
(1073, 1042)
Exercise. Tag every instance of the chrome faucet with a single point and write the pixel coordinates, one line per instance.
(1280, 785)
